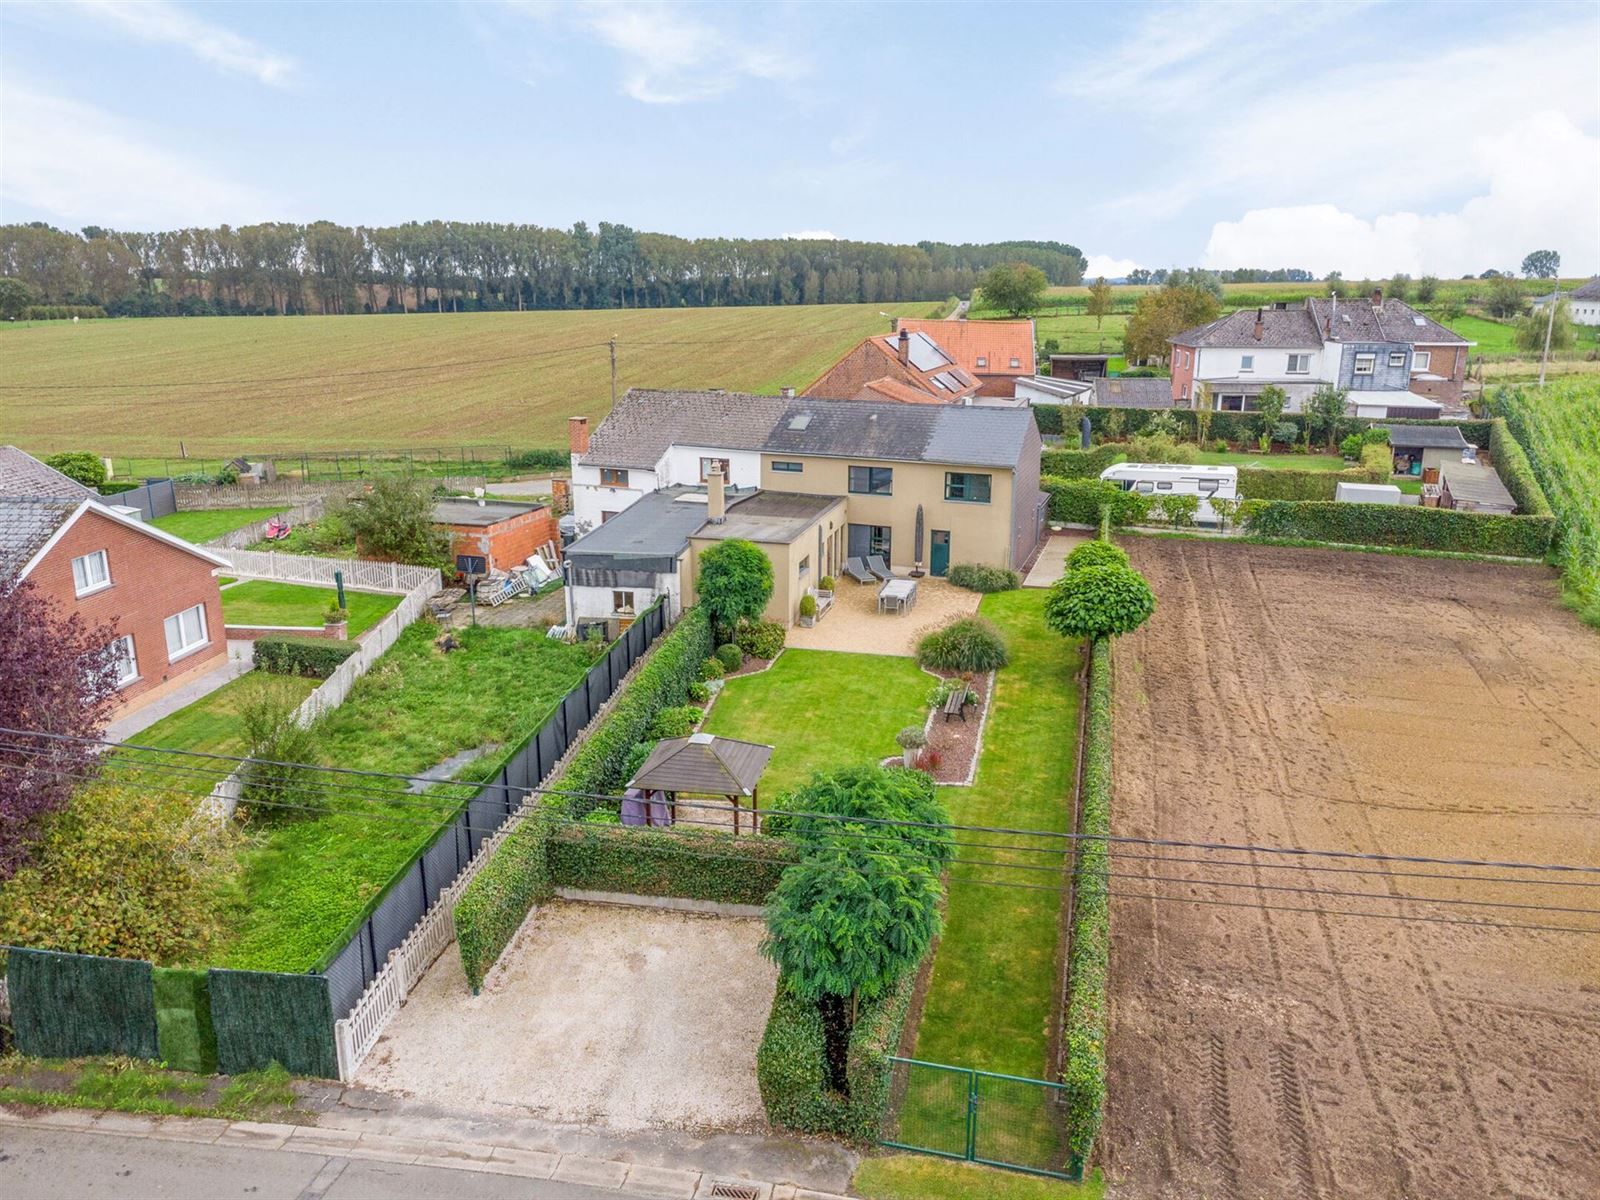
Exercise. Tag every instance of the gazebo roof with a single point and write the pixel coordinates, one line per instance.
(704, 765)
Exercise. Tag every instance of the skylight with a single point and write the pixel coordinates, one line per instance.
(800, 422)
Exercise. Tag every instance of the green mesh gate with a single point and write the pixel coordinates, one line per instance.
(979, 1116)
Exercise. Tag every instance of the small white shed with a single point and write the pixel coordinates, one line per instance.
(1367, 493)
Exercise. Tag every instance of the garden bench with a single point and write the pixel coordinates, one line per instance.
(955, 705)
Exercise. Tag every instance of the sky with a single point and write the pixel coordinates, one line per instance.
(1364, 137)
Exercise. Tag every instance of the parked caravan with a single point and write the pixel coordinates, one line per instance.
(1182, 479)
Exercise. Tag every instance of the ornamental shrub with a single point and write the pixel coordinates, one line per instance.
(761, 639)
(275, 788)
(808, 606)
(1080, 464)
(312, 658)
(825, 583)
(730, 656)
(1095, 602)
(735, 582)
(911, 738)
(712, 668)
(675, 722)
(699, 693)
(977, 577)
(970, 644)
(1177, 509)
(80, 466)
(907, 800)
(1098, 553)
(636, 757)
(1080, 501)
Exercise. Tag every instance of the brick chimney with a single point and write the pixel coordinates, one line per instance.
(716, 497)
(1261, 326)
(786, 393)
(1377, 297)
(578, 434)
(905, 347)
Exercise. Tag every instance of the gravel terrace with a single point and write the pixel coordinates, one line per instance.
(854, 624)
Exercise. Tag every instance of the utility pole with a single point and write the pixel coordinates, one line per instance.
(613, 345)
(1549, 325)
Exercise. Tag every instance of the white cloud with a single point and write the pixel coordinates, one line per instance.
(165, 23)
(668, 56)
(1542, 175)
(75, 164)
(1111, 268)
(813, 235)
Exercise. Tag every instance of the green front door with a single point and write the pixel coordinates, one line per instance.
(940, 563)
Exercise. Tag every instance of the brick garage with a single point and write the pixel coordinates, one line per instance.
(505, 532)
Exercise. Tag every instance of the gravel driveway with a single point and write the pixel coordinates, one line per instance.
(630, 1018)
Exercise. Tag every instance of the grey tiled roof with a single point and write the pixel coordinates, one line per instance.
(991, 437)
(1358, 320)
(27, 523)
(1589, 291)
(1318, 320)
(1281, 329)
(645, 422)
(21, 474)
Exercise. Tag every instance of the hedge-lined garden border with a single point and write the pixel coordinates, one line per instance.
(1230, 426)
(1084, 1068)
(1400, 525)
(1080, 464)
(695, 864)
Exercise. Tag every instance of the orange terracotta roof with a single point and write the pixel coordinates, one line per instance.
(996, 342)
(903, 393)
(878, 357)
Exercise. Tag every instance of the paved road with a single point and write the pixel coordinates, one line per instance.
(52, 1164)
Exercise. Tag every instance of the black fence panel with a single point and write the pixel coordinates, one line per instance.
(71, 1005)
(263, 1017)
(156, 498)
(347, 974)
(441, 863)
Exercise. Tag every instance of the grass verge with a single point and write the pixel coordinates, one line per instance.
(263, 602)
(918, 1177)
(132, 1086)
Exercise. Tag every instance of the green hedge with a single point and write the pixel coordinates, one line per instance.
(116, 487)
(791, 1066)
(62, 312)
(1400, 525)
(1516, 472)
(1084, 1071)
(1080, 501)
(517, 877)
(187, 1038)
(697, 864)
(315, 658)
(1232, 426)
(1080, 464)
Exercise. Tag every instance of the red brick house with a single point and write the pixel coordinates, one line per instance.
(157, 591)
(906, 368)
(996, 353)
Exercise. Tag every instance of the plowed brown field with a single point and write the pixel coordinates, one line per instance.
(1375, 704)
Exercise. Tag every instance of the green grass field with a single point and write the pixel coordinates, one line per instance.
(1272, 462)
(821, 709)
(201, 525)
(227, 385)
(262, 602)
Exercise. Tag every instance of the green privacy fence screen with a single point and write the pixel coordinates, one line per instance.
(69, 1005)
(980, 1116)
(184, 1031)
(262, 1017)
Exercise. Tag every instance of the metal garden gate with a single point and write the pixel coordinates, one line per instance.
(979, 1116)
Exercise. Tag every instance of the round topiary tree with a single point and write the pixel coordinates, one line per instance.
(1096, 602)
(735, 582)
(1097, 553)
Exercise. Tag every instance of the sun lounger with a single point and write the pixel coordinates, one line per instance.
(857, 570)
(878, 567)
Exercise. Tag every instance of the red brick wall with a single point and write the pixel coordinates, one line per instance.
(1182, 371)
(1451, 363)
(997, 385)
(511, 542)
(150, 581)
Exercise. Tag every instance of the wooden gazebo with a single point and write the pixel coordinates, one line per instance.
(705, 765)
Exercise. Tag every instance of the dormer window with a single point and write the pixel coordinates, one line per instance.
(1015, 363)
(982, 362)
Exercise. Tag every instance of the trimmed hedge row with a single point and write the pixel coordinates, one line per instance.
(1084, 1072)
(62, 312)
(1080, 501)
(1232, 426)
(791, 1066)
(697, 864)
(1516, 471)
(314, 658)
(1080, 464)
(1265, 483)
(495, 904)
(1400, 525)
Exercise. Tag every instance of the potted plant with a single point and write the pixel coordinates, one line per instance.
(808, 611)
(825, 589)
(910, 740)
(336, 621)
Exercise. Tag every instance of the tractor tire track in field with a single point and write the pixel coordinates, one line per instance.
(1292, 1121)
(1223, 1152)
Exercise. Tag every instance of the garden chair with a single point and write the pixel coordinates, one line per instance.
(878, 567)
(857, 570)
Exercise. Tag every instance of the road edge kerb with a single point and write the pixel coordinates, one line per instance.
(485, 1157)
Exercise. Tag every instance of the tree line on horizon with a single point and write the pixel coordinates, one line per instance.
(451, 266)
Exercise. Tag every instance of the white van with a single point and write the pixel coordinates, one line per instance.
(1156, 479)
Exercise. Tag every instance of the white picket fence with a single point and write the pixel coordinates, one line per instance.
(420, 583)
(355, 1036)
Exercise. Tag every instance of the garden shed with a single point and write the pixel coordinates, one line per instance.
(705, 765)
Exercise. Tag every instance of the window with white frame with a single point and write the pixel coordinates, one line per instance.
(982, 361)
(1299, 364)
(91, 572)
(186, 632)
(1016, 362)
(1365, 363)
(622, 602)
(1247, 363)
(1421, 360)
(122, 653)
(1397, 358)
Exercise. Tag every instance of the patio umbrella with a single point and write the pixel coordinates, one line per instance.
(916, 557)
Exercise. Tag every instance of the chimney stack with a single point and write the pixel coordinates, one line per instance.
(905, 347)
(1260, 325)
(578, 434)
(787, 393)
(1377, 297)
(716, 498)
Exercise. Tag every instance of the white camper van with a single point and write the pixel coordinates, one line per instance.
(1155, 479)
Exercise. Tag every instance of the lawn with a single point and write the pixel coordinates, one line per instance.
(201, 525)
(914, 1177)
(1272, 462)
(231, 385)
(308, 877)
(262, 602)
(822, 709)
